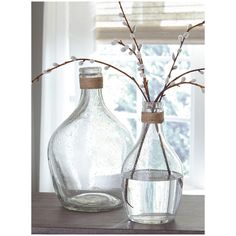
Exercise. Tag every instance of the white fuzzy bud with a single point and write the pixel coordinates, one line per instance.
(175, 67)
(130, 52)
(167, 80)
(121, 14)
(179, 50)
(173, 56)
(193, 80)
(73, 58)
(114, 42)
(142, 74)
(201, 72)
(124, 23)
(186, 35)
(81, 63)
(183, 79)
(189, 26)
(172, 83)
(46, 71)
(123, 49)
(141, 67)
(134, 28)
(133, 47)
(138, 55)
(55, 64)
(106, 67)
(180, 37)
(203, 90)
(126, 46)
(132, 36)
(91, 60)
(140, 46)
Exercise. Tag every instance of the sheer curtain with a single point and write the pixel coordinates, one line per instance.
(157, 21)
(67, 31)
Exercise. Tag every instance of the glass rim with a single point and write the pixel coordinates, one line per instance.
(90, 70)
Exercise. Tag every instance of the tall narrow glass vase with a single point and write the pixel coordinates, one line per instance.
(87, 151)
(152, 173)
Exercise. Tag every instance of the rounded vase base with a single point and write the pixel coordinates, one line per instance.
(152, 218)
(93, 202)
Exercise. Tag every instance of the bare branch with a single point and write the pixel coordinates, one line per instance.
(89, 59)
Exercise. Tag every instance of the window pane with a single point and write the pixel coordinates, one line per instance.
(178, 136)
(158, 63)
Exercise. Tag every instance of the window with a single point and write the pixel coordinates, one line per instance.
(180, 104)
(126, 101)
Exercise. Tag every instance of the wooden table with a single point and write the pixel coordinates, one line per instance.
(49, 217)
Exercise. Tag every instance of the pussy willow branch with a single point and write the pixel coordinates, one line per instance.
(180, 47)
(121, 43)
(194, 26)
(161, 94)
(97, 61)
(168, 85)
(145, 82)
(185, 73)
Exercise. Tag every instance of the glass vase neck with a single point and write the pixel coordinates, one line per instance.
(152, 113)
(92, 97)
(152, 107)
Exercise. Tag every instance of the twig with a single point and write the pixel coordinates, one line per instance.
(130, 49)
(145, 82)
(97, 61)
(185, 73)
(168, 85)
(173, 66)
(178, 84)
(194, 26)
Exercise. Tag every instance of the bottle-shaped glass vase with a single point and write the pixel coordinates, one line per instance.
(152, 175)
(86, 152)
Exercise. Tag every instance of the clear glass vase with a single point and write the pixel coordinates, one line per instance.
(87, 151)
(152, 175)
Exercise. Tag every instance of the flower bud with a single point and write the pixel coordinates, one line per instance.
(186, 35)
(55, 64)
(180, 37)
(114, 42)
(73, 58)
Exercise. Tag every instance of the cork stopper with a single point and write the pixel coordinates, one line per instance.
(149, 117)
(91, 78)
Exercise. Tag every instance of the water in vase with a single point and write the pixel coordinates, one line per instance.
(153, 194)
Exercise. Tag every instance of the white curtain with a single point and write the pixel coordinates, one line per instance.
(68, 31)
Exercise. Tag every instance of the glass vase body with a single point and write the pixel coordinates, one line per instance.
(87, 151)
(152, 175)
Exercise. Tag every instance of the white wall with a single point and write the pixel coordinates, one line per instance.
(36, 60)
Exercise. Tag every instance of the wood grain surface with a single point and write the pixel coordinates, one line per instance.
(49, 217)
